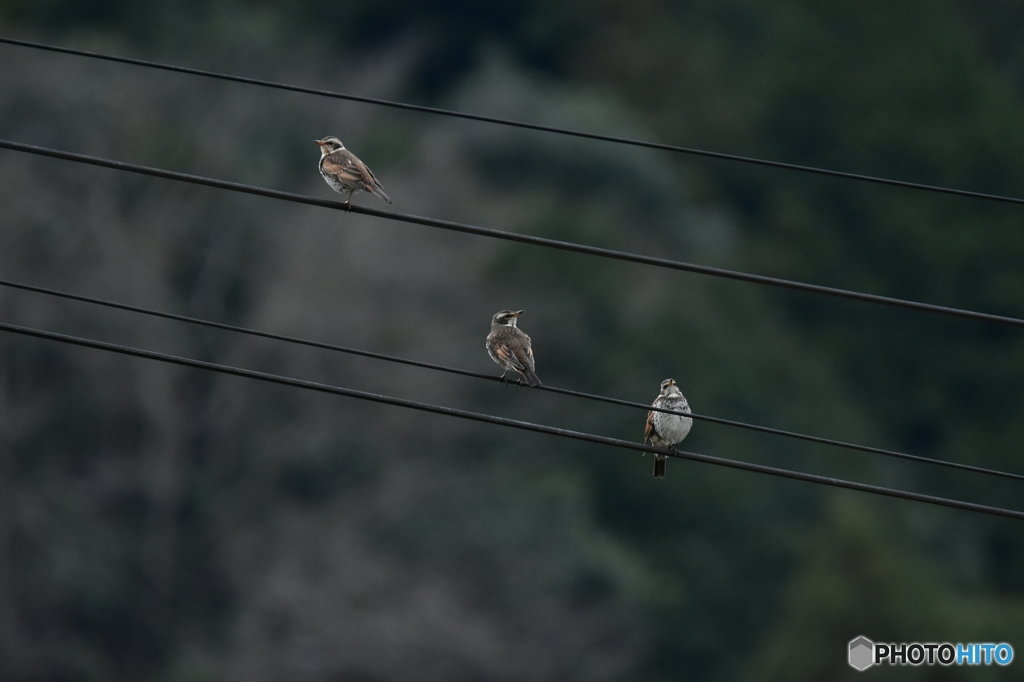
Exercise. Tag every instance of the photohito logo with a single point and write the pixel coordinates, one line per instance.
(863, 653)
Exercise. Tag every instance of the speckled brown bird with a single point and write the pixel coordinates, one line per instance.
(666, 430)
(344, 172)
(510, 347)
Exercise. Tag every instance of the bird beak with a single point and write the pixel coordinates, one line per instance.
(519, 312)
(319, 142)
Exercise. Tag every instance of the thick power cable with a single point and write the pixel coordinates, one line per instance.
(517, 124)
(512, 423)
(512, 236)
(491, 377)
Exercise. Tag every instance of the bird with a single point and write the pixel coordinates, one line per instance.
(665, 430)
(344, 172)
(509, 346)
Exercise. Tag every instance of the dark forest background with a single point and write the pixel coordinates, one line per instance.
(159, 523)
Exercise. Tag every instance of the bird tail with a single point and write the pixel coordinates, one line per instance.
(531, 377)
(659, 466)
(379, 191)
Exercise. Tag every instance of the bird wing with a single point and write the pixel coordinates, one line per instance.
(649, 429)
(507, 353)
(344, 164)
(524, 355)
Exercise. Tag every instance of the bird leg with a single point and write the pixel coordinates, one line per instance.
(348, 202)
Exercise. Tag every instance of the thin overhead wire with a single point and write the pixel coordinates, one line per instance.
(512, 423)
(490, 377)
(518, 124)
(515, 237)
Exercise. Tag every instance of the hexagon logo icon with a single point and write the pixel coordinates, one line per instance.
(862, 653)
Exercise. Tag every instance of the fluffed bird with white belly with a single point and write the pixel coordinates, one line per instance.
(666, 430)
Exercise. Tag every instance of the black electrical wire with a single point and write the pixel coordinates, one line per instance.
(491, 377)
(518, 124)
(512, 236)
(512, 423)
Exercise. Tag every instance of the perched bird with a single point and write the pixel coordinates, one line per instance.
(509, 346)
(665, 430)
(344, 172)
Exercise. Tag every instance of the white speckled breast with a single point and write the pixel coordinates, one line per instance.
(672, 428)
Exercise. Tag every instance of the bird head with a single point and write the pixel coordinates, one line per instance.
(669, 388)
(329, 144)
(507, 317)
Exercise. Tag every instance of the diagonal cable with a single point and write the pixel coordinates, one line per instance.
(512, 423)
(490, 377)
(515, 237)
(518, 124)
